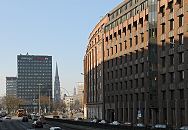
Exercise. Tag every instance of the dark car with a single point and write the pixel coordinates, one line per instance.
(25, 119)
(29, 116)
(35, 118)
(37, 124)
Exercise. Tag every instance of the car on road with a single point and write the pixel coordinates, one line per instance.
(55, 128)
(37, 124)
(102, 122)
(115, 123)
(25, 119)
(139, 125)
(128, 124)
(183, 128)
(8, 117)
(160, 126)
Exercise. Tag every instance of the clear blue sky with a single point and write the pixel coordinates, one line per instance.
(59, 28)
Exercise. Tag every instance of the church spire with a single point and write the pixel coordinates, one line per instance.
(56, 73)
(57, 95)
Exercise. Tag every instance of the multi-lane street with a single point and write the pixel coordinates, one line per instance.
(17, 124)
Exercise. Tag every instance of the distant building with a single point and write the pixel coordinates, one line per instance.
(79, 92)
(69, 101)
(11, 86)
(57, 94)
(34, 77)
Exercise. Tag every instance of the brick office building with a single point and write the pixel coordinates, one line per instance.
(173, 61)
(131, 66)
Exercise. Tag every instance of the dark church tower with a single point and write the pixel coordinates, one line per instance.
(57, 95)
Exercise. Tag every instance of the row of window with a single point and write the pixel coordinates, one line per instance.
(126, 16)
(172, 42)
(172, 79)
(181, 59)
(127, 97)
(125, 85)
(124, 72)
(172, 94)
(141, 96)
(170, 6)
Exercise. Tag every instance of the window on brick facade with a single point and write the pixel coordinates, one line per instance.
(142, 52)
(131, 70)
(125, 85)
(172, 42)
(180, 2)
(142, 67)
(171, 60)
(124, 30)
(171, 24)
(162, 10)
(119, 32)
(111, 37)
(181, 57)
(163, 28)
(180, 20)
(136, 67)
(136, 40)
(163, 78)
(120, 46)
(163, 61)
(163, 95)
(120, 59)
(181, 93)
(180, 39)
(170, 6)
(130, 42)
(131, 97)
(115, 48)
(172, 94)
(163, 45)
(136, 54)
(131, 83)
(142, 82)
(181, 75)
(142, 37)
(112, 51)
(125, 43)
(115, 34)
(172, 77)
(136, 82)
(131, 56)
(125, 58)
(125, 71)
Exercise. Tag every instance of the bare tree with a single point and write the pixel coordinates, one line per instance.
(11, 103)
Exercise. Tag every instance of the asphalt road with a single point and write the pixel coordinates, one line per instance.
(17, 124)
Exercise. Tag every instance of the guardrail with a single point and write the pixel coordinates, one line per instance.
(98, 126)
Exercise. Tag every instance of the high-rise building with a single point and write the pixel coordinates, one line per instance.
(57, 93)
(135, 64)
(34, 77)
(11, 86)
